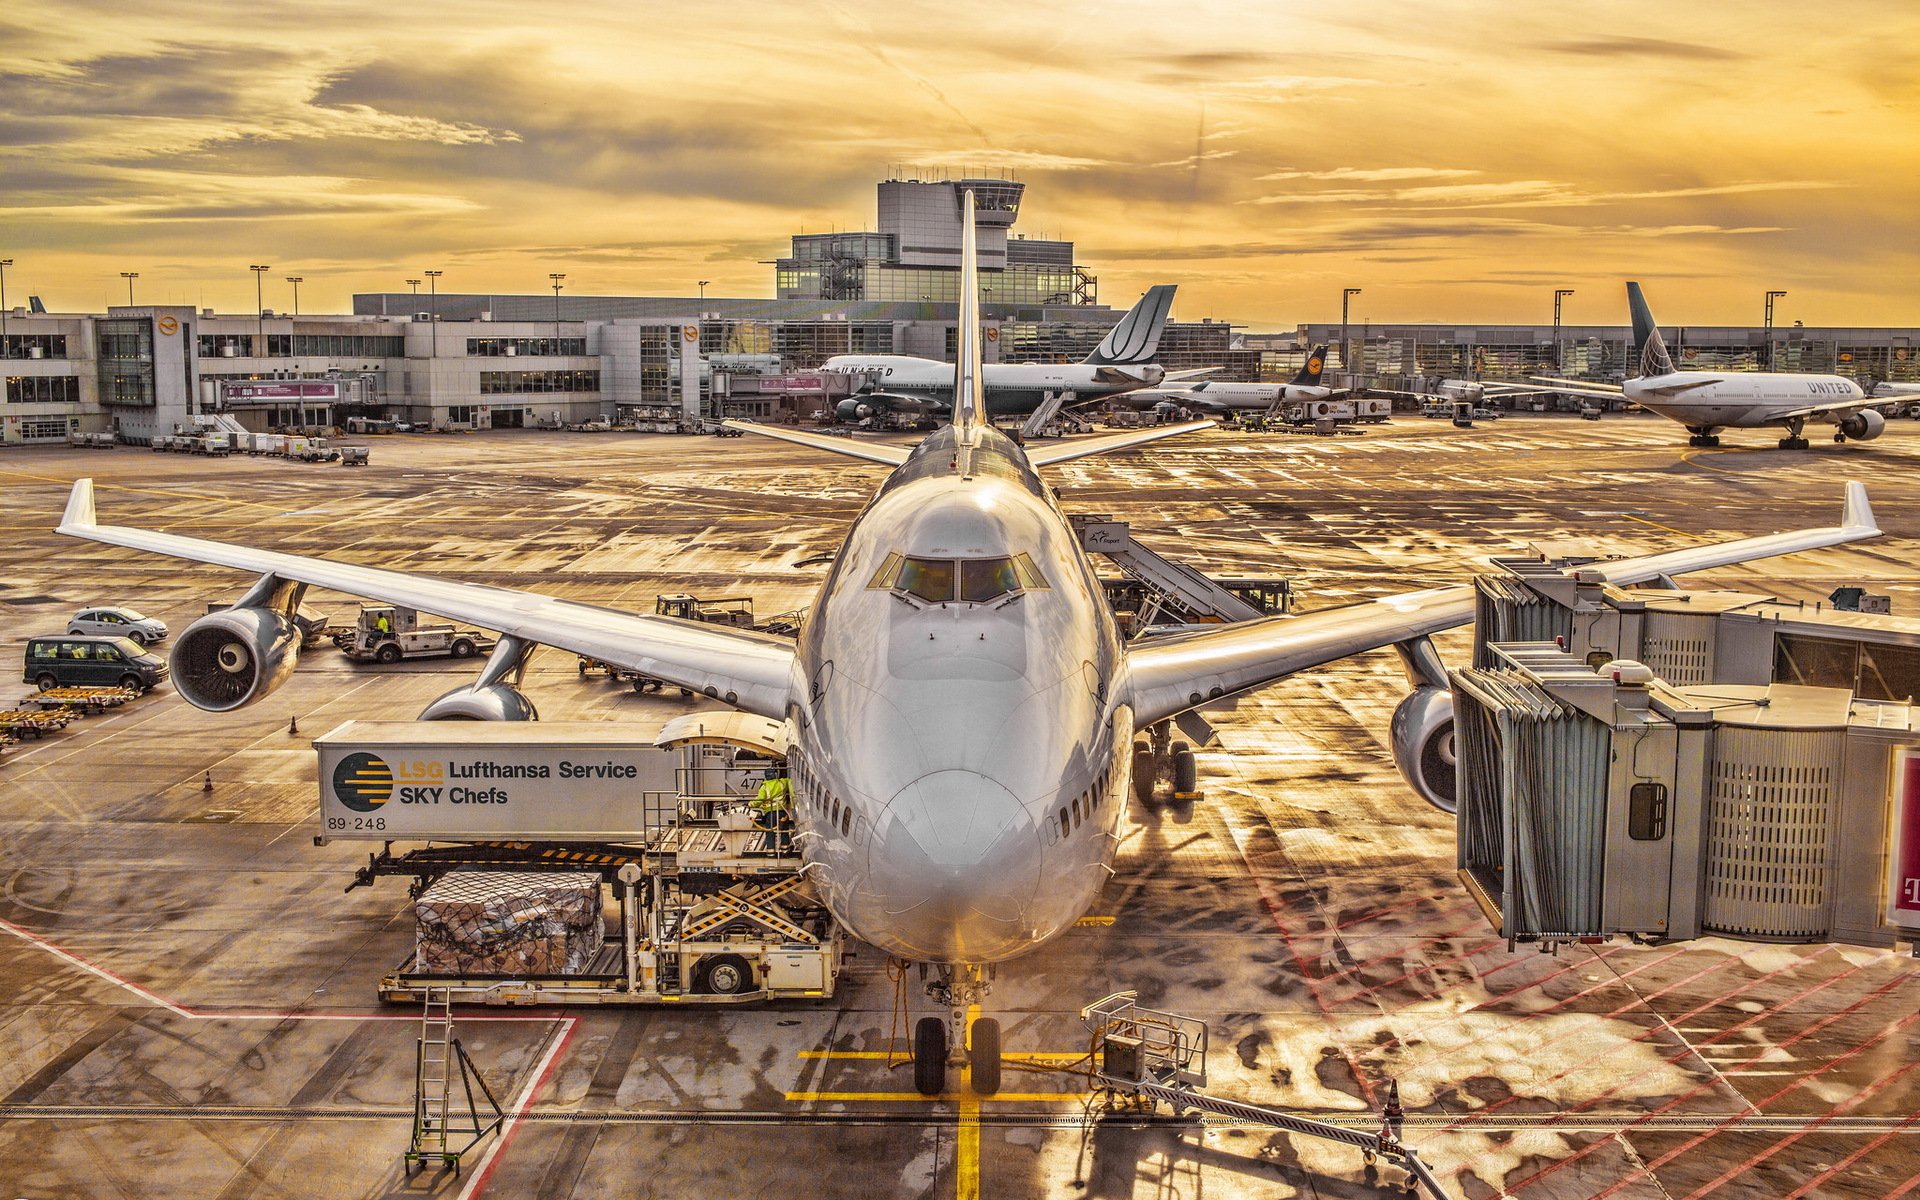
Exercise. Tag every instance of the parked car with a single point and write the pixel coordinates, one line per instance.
(93, 661)
(118, 622)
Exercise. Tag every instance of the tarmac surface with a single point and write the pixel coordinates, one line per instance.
(187, 998)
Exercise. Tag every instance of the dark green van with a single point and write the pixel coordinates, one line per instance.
(93, 662)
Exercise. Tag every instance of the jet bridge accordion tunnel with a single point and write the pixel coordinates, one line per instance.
(1663, 764)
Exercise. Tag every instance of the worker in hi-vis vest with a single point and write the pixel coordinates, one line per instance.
(770, 806)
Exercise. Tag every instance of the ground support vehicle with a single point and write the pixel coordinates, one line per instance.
(403, 636)
(23, 722)
(712, 910)
(70, 661)
(128, 623)
(354, 456)
(82, 701)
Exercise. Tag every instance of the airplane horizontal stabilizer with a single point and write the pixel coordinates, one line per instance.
(1578, 384)
(891, 456)
(1042, 456)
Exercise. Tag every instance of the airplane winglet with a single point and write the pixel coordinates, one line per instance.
(1858, 513)
(79, 514)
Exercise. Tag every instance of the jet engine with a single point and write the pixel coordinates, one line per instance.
(852, 410)
(228, 659)
(1423, 746)
(1863, 426)
(481, 702)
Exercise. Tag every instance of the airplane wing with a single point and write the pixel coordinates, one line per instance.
(1191, 373)
(877, 452)
(1836, 406)
(1041, 456)
(749, 670)
(1574, 385)
(1172, 674)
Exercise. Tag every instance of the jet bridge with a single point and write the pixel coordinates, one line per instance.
(1661, 764)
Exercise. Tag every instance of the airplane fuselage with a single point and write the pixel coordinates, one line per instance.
(961, 749)
(1735, 400)
(1214, 396)
(1010, 387)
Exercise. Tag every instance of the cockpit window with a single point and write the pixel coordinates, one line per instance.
(978, 580)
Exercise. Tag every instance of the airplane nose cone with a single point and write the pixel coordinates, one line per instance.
(956, 865)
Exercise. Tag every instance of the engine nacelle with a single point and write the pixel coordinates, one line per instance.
(852, 410)
(1863, 426)
(1423, 746)
(228, 659)
(474, 702)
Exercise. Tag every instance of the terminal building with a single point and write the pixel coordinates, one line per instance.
(474, 360)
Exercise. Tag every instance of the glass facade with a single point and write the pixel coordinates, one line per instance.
(43, 389)
(125, 348)
(501, 347)
(803, 345)
(499, 383)
(34, 345)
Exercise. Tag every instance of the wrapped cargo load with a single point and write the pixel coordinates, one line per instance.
(508, 923)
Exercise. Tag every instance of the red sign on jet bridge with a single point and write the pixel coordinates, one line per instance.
(1903, 900)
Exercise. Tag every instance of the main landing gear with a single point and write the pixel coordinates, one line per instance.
(1159, 756)
(1702, 436)
(935, 1041)
(1793, 440)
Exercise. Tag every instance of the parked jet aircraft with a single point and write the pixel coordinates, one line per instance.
(1708, 401)
(1218, 396)
(1477, 392)
(899, 383)
(960, 709)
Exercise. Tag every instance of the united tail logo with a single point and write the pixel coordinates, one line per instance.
(362, 782)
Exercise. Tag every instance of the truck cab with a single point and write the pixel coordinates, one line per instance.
(387, 633)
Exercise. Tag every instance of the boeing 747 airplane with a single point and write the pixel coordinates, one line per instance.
(964, 722)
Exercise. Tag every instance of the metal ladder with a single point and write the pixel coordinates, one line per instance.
(1162, 1057)
(1191, 590)
(440, 1059)
(753, 903)
(1047, 410)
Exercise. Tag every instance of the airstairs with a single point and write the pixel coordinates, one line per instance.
(1161, 1057)
(1173, 583)
(1053, 418)
(441, 1062)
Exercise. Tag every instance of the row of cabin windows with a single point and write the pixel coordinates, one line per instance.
(833, 814)
(1084, 806)
(968, 580)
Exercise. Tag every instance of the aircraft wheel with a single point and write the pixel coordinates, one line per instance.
(1186, 772)
(1143, 775)
(983, 1056)
(930, 1056)
(1713, 439)
(1839, 437)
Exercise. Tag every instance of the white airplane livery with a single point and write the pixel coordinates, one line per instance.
(1221, 396)
(960, 710)
(1121, 362)
(1709, 401)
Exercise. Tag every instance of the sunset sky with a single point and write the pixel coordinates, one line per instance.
(1458, 161)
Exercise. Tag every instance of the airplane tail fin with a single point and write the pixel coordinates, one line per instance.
(1648, 348)
(969, 383)
(1136, 339)
(1309, 375)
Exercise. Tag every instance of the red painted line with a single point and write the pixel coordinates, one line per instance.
(1686, 1049)
(1674, 1153)
(1852, 1101)
(521, 1107)
(1686, 1096)
(1400, 1039)
(1855, 1157)
(1912, 1182)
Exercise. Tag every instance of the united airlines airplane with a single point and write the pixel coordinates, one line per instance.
(1709, 401)
(961, 711)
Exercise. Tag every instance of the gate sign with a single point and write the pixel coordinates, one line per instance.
(1903, 900)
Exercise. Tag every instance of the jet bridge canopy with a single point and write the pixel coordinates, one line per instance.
(760, 734)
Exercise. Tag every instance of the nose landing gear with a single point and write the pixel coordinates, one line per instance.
(939, 1044)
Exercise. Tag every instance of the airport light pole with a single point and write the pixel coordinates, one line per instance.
(1768, 328)
(259, 308)
(1346, 350)
(4, 264)
(556, 276)
(296, 281)
(415, 285)
(703, 290)
(1559, 294)
(129, 276)
(433, 312)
